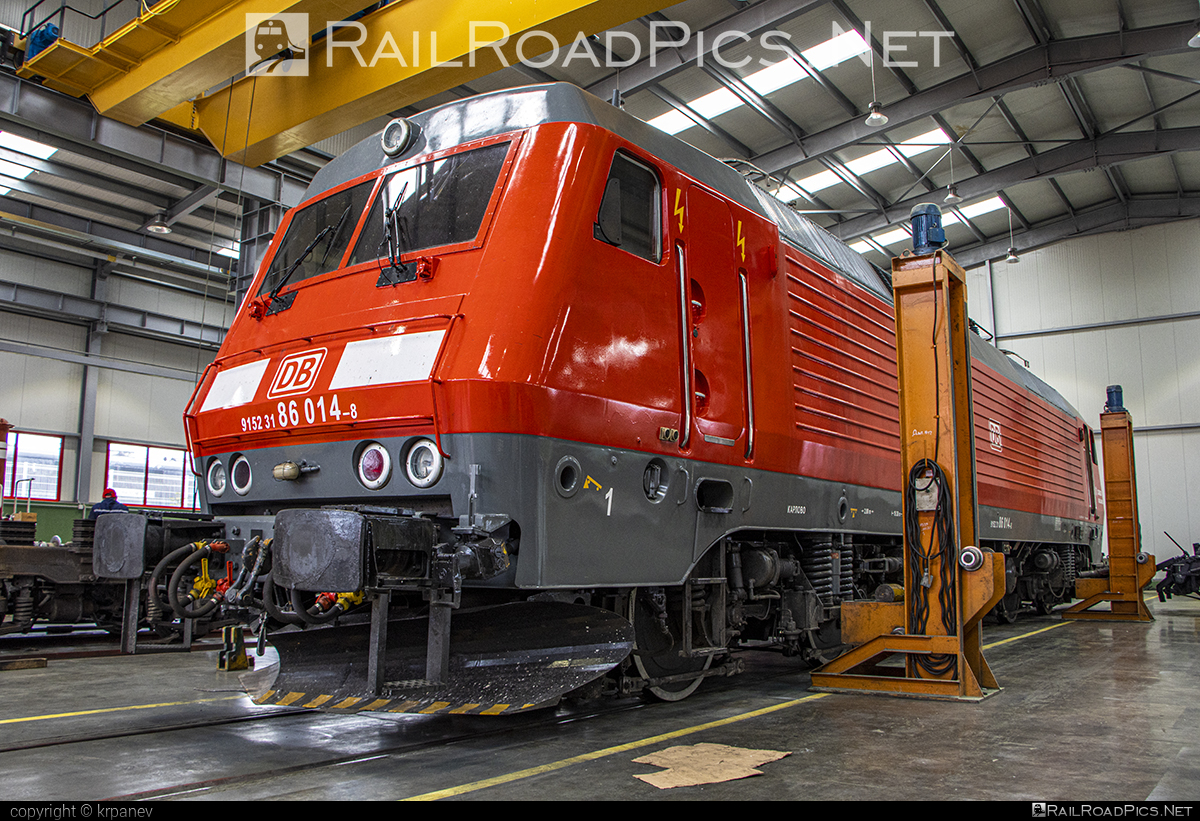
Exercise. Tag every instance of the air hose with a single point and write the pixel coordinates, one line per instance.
(203, 592)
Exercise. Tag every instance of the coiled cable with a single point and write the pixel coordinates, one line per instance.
(926, 474)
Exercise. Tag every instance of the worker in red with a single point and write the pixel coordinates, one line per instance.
(108, 504)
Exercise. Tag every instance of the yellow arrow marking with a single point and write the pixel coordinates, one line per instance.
(590, 481)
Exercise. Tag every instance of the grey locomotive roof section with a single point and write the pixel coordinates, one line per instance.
(816, 241)
(501, 112)
(990, 355)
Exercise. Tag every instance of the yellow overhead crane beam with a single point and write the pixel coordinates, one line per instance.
(172, 52)
(259, 118)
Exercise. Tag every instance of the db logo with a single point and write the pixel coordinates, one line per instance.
(995, 435)
(297, 373)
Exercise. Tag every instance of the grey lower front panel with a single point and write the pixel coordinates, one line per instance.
(608, 530)
(585, 513)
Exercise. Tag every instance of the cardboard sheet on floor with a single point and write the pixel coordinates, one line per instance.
(704, 764)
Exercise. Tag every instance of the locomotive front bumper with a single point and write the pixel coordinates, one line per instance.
(349, 550)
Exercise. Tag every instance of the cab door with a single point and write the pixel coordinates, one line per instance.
(712, 300)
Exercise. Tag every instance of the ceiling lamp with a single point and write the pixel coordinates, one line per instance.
(1012, 248)
(158, 225)
(876, 119)
(1195, 41)
(952, 197)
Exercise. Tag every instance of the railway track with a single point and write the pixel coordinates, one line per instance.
(478, 729)
(295, 753)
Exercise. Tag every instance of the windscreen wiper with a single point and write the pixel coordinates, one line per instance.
(273, 303)
(337, 231)
(283, 280)
(395, 229)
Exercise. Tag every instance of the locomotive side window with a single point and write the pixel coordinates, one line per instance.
(318, 237)
(440, 203)
(628, 215)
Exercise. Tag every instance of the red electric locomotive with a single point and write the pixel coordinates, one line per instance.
(554, 391)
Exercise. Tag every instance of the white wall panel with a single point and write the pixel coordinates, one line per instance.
(1160, 376)
(38, 393)
(1164, 490)
(1114, 266)
(173, 302)
(140, 408)
(1148, 274)
(45, 273)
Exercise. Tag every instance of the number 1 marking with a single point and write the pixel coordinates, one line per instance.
(609, 497)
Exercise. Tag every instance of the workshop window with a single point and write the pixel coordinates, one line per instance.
(32, 456)
(151, 477)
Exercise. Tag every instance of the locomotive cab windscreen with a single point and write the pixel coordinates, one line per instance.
(431, 204)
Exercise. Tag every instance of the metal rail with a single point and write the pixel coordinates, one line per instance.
(63, 7)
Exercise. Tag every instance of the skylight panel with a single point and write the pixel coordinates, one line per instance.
(861, 246)
(909, 148)
(924, 142)
(872, 161)
(715, 103)
(985, 207)
(775, 77)
(817, 182)
(835, 51)
(11, 169)
(892, 237)
(672, 122)
(30, 147)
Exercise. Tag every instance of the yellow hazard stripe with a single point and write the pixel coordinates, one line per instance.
(119, 709)
(1026, 635)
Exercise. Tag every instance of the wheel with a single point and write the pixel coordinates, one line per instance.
(823, 645)
(657, 644)
(1006, 611)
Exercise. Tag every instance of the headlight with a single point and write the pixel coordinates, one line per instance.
(374, 466)
(242, 477)
(423, 465)
(217, 479)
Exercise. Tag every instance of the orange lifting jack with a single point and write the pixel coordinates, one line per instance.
(1129, 569)
(949, 583)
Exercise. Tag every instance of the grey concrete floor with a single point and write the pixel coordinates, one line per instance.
(1090, 711)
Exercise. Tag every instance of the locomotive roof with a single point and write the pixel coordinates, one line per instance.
(500, 112)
